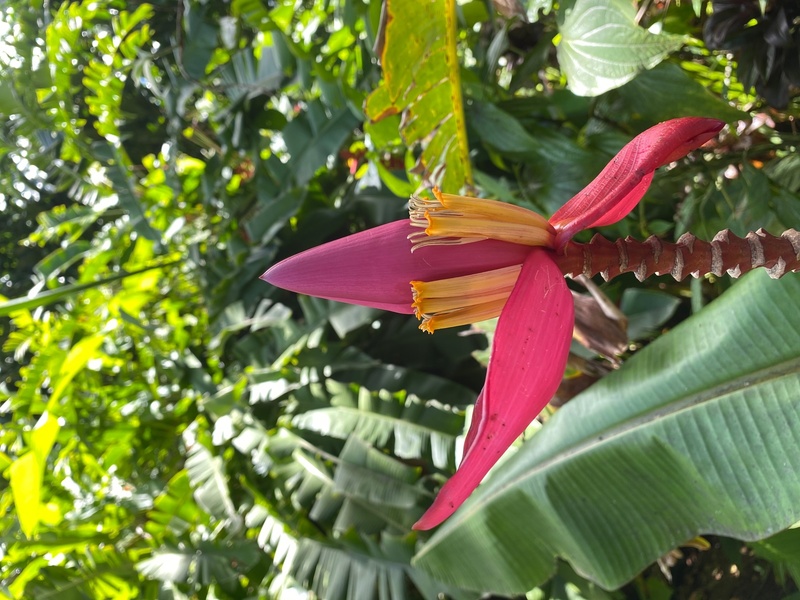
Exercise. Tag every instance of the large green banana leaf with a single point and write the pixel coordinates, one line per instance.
(699, 433)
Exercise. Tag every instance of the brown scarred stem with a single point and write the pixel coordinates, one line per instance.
(726, 253)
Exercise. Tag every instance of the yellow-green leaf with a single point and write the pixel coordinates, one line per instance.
(44, 436)
(27, 473)
(26, 486)
(76, 360)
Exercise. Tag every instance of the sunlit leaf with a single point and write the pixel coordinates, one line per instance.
(207, 474)
(407, 426)
(77, 358)
(48, 297)
(27, 473)
(167, 566)
(63, 220)
(175, 509)
(422, 81)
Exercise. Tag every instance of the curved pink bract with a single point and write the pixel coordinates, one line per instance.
(530, 350)
(624, 180)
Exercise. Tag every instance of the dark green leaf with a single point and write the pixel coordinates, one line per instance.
(647, 310)
(667, 92)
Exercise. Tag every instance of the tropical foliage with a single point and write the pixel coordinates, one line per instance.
(173, 427)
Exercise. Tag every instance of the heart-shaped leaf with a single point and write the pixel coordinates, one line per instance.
(602, 47)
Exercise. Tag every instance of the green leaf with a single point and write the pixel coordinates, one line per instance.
(246, 76)
(9, 101)
(644, 97)
(331, 567)
(251, 11)
(207, 563)
(25, 475)
(602, 47)
(354, 366)
(353, 569)
(120, 174)
(377, 489)
(104, 77)
(310, 145)
(696, 434)
(407, 426)
(534, 6)
(207, 474)
(167, 565)
(422, 80)
(785, 172)
(199, 41)
(64, 221)
(273, 213)
(501, 131)
(783, 549)
(174, 509)
(76, 360)
(647, 310)
(44, 298)
(741, 204)
(371, 475)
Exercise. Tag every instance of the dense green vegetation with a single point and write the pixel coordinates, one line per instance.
(173, 427)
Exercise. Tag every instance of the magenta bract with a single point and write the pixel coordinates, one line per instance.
(531, 346)
(624, 180)
(374, 267)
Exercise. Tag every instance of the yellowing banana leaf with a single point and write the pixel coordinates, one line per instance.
(422, 82)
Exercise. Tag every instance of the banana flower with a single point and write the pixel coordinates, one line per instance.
(460, 260)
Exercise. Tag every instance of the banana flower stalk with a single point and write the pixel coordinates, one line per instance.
(460, 260)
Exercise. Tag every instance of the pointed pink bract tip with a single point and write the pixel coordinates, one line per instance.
(375, 267)
(712, 125)
(695, 131)
(429, 521)
(624, 181)
(272, 275)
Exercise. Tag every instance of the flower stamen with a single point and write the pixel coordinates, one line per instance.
(449, 219)
(463, 300)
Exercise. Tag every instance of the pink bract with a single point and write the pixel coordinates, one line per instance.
(531, 346)
(374, 267)
(624, 180)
